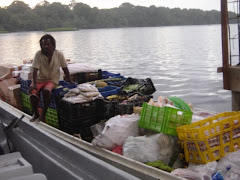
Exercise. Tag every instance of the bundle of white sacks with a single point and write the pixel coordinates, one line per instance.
(82, 93)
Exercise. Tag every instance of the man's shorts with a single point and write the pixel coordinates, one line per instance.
(45, 85)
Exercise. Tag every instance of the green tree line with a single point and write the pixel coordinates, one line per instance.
(20, 17)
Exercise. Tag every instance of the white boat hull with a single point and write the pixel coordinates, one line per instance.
(59, 155)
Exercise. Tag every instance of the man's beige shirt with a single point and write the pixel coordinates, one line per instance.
(49, 71)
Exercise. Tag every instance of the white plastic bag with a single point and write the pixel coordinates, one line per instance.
(233, 160)
(186, 173)
(116, 131)
(141, 149)
(166, 145)
(150, 148)
(205, 170)
(85, 87)
(197, 171)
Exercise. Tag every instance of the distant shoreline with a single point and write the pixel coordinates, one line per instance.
(60, 29)
(48, 30)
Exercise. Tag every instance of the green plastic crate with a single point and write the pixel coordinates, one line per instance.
(27, 107)
(163, 119)
(52, 117)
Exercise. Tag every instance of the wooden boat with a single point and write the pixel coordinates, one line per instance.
(59, 155)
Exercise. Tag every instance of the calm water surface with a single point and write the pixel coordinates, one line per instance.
(181, 60)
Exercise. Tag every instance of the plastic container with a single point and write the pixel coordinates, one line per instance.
(13, 165)
(97, 128)
(163, 119)
(27, 107)
(79, 126)
(115, 83)
(87, 76)
(210, 139)
(25, 84)
(61, 89)
(221, 174)
(137, 110)
(70, 110)
(86, 121)
(107, 75)
(109, 90)
(121, 107)
(179, 103)
(54, 102)
(37, 176)
(143, 86)
(52, 117)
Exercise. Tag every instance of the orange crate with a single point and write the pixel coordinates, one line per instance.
(210, 139)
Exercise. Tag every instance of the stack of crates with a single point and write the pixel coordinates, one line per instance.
(27, 107)
(77, 118)
(52, 112)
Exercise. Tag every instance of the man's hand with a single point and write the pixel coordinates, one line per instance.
(71, 81)
(67, 75)
(32, 87)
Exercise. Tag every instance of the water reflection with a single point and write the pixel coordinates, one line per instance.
(181, 60)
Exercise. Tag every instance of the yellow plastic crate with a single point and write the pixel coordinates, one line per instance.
(210, 139)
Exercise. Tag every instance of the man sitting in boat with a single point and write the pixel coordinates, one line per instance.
(46, 74)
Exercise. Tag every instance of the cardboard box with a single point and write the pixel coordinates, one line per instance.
(4, 86)
(16, 74)
(14, 96)
(4, 71)
(8, 69)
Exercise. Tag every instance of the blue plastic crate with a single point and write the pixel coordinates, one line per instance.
(107, 75)
(62, 83)
(70, 86)
(109, 90)
(60, 91)
(53, 102)
(25, 84)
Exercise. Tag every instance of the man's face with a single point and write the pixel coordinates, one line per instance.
(47, 47)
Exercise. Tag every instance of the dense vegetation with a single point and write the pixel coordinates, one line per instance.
(20, 17)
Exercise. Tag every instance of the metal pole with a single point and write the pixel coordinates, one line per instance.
(238, 33)
(224, 22)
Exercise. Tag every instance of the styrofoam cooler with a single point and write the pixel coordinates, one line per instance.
(13, 165)
(37, 176)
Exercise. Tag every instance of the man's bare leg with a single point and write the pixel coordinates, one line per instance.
(34, 102)
(46, 102)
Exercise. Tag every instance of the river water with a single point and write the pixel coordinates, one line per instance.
(181, 60)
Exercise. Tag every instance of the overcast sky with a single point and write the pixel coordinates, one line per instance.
(195, 4)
